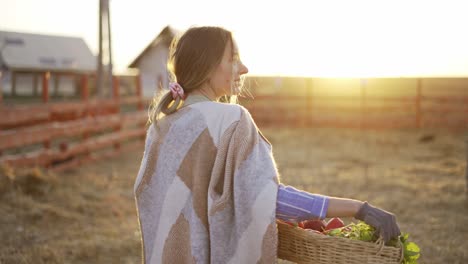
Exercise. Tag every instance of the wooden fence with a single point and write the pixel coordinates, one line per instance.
(62, 135)
(362, 109)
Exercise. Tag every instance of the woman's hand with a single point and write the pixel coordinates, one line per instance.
(384, 222)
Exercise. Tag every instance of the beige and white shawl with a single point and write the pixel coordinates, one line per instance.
(206, 189)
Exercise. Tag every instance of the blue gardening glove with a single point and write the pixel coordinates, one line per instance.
(384, 222)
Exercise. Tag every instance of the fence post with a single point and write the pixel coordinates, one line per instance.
(45, 87)
(45, 98)
(116, 97)
(418, 104)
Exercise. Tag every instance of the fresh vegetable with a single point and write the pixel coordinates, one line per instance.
(360, 231)
(334, 223)
(411, 251)
(317, 225)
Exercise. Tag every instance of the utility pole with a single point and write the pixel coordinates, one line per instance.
(104, 60)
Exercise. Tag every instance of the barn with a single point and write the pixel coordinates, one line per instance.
(29, 60)
(152, 62)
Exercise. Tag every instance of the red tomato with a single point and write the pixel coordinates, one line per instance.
(334, 223)
(317, 225)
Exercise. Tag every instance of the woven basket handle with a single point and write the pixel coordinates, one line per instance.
(381, 243)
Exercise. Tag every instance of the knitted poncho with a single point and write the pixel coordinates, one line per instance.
(206, 189)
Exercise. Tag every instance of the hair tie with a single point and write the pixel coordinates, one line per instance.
(177, 91)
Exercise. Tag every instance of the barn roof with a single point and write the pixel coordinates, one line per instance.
(164, 37)
(36, 52)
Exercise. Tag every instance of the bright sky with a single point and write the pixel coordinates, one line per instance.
(349, 38)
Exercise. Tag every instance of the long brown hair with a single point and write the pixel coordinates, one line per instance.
(192, 58)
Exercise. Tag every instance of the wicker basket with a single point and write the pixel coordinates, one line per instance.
(301, 246)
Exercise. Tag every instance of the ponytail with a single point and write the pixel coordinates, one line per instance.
(163, 104)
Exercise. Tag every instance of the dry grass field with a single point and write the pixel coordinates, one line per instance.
(87, 215)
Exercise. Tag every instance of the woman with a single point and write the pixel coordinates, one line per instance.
(208, 190)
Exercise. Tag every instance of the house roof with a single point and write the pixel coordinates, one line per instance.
(35, 52)
(164, 37)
